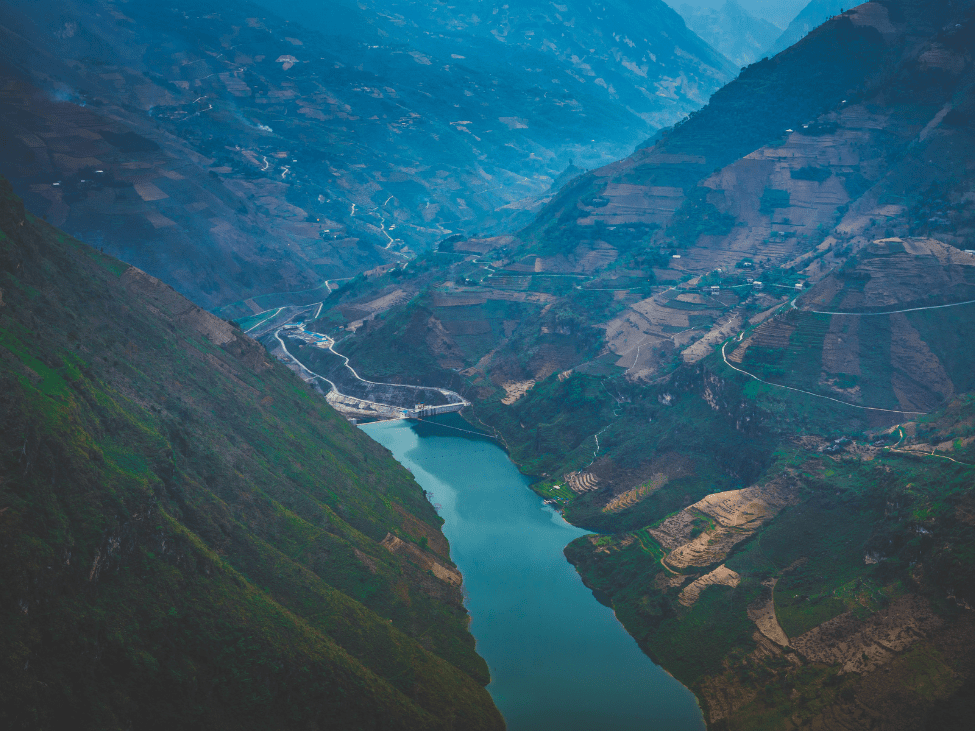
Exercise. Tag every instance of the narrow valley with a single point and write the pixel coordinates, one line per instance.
(473, 365)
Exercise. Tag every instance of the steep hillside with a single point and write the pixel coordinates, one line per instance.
(851, 136)
(812, 421)
(802, 160)
(832, 591)
(191, 537)
(858, 133)
(275, 157)
(836, 103)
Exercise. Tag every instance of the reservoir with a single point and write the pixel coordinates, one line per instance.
(559, 660)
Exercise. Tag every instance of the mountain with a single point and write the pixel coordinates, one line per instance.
(638, 56)
(730, 29)
(742, 357)
(777, 12)
(806, 150)
(191, 537)
(859, 133)
(784, 494)
(812, 16)
(815, 595)
(728, 186)
(275, 157)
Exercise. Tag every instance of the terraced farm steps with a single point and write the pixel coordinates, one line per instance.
(861, 646)
(580, 482)
(762, 613)
(807, 333)
(628, 499)
(721, 576)
(733, 516)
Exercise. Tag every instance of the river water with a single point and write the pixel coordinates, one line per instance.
(559, 660)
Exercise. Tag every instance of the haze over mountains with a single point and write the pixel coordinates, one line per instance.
(741, 353)
(746, 32)
(274, 158)
(811, 17)
(741, 37)
(777, 12)
(801, 160)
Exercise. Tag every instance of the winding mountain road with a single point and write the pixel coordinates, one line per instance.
(455, 402)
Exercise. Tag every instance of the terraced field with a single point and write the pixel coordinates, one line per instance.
(891, 358)
(631, 497)
(580, 482)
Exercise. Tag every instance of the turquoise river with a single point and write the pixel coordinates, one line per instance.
(559, 660)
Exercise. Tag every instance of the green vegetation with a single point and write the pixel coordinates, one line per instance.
(191, 535)
(560, 418)
(823, 562)
(811, 172)
(695, 643)
(773, 199)
(697, 217)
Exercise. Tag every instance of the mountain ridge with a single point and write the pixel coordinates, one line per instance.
(809, 18)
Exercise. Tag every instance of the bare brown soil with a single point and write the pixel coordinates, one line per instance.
(581, 482)
(722, 330)
(514, 390)
(736, 515)
(861, 646)
(631, 497)
(721, 576)
(418, 556)
(762, 613)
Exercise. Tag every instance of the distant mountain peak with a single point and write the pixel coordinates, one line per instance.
(732, 30)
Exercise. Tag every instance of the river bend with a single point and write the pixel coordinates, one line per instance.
(559, 660)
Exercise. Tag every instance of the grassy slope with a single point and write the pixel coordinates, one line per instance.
(190, 535)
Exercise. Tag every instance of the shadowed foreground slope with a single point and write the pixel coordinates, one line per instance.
(190, 536)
